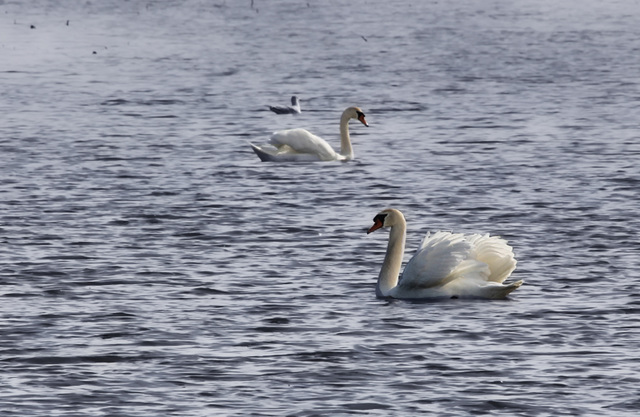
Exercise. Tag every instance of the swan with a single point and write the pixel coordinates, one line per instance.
(301, 145)
(293, 109)
(447, 265)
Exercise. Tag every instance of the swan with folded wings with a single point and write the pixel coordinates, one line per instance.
(300, 145)
(446, 265)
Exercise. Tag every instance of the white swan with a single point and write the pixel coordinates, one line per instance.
(302, 145)
(293, 109)
(451, 265)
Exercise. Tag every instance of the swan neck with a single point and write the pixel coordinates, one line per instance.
(390, 271)
(346, 149)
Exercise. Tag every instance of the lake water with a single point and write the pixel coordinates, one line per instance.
(151, 265)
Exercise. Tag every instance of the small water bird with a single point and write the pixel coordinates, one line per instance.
(293, 109)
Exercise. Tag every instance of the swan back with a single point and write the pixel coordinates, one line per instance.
(496, 253)
(445, 257)
(303, 142)
(437, 261)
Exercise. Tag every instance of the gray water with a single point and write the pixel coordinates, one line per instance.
(151, 265)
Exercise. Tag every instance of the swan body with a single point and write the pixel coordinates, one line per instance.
(446, 265)
(300, 145)
(293, 109)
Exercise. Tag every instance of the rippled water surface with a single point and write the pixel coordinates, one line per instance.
(151, 265)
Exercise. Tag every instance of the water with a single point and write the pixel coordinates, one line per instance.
(151, 265)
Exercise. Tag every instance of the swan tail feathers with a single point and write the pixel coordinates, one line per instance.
(491, 291)
(262, 154)
(509, 288)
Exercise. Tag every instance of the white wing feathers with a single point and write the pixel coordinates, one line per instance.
(435, 261)
(445, 257)
(494, 252)
(303, 141)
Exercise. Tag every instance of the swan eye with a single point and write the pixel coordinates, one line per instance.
(380, 218)
(360, 114)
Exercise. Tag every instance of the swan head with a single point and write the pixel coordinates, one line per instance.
(386, 218)
(355, 113)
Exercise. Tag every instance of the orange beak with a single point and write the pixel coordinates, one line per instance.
(376, 225)
(363, 121)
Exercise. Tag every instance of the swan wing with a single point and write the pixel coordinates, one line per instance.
(441, 258)
(303, 142)
(448, 264)
(496, 253)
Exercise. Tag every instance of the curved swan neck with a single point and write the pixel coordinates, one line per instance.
(346, 150)
(390, 270)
